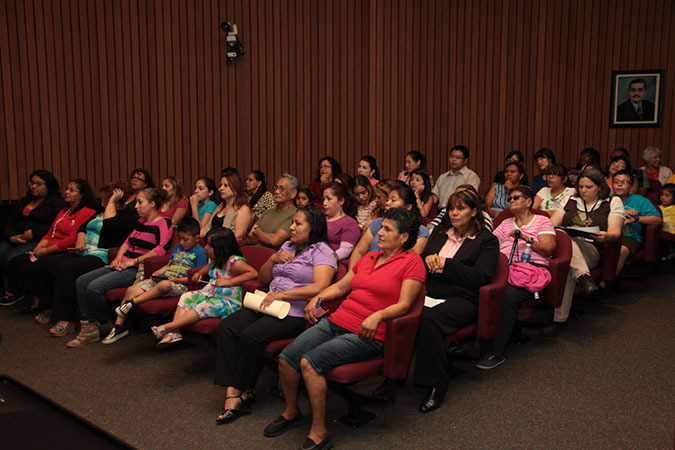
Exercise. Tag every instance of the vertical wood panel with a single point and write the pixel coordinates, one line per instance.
(94, 89)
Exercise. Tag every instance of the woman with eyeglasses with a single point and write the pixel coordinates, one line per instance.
(524, 228)
(61, 237)
(329, 170)
(139, 180)
(29, 221)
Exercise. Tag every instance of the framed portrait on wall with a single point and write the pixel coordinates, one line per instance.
(636, 98)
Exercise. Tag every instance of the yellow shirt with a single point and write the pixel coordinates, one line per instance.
(671, 180)
(668, 218)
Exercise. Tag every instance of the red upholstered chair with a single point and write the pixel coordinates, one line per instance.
(559, 267)
(256, 256)
(164, 305)
(427, 220)
(149, 266)
(507, 213)
(606, 270)
(490, 301)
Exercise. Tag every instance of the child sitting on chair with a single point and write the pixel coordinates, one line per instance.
(168, 281)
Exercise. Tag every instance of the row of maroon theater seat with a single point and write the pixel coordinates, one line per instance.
(401, 332)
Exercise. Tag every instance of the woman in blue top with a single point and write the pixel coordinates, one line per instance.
(401, 196)
(495, 199)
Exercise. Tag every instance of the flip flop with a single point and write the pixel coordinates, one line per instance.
(170, 340)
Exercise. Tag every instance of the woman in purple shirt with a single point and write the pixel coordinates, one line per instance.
(340, 210)
(302, 268)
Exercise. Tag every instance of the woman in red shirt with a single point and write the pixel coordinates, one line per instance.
(60, 237)
(383, 286)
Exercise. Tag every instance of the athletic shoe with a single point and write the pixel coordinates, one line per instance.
(490, 361)
(124, 309)
(117, 333)
(9, 299)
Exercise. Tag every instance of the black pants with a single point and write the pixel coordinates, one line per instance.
(58, 282)
(432, 367)
(242, 338)
(24, 275)
(513, 298)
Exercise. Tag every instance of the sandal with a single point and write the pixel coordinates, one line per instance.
(43, 318)
(230, 415)
(60, 330)
(169, 340)
(159, 332)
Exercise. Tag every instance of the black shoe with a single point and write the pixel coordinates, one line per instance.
(433, 400)
(280, 425)
(311, 445)
(588, 286)
(553, 329)
(454, 349)
(10, 298)
(230, 415)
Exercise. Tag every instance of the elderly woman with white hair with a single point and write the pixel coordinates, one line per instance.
(653, 168)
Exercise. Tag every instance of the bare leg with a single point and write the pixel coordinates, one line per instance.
(181, 318)
(316, 390)
(290, 378)
(139, 296)
(623, 256)
(159, 290)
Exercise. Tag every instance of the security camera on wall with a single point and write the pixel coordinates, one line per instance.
(234, 46)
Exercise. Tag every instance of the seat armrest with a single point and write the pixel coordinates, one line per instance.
(154, 263)
(399, 342)
(195, 285)
(652, 237)
(610, 260)
(491, 299)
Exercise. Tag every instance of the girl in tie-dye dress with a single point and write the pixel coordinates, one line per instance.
(221, 296)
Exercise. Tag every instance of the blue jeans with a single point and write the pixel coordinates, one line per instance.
(92, 286)
(326, 345)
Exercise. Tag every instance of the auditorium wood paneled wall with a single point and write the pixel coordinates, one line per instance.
(95, 88)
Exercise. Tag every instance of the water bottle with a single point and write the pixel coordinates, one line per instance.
(527, 254)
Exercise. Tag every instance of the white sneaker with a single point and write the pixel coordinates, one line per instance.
(117, 333)
(124, 309)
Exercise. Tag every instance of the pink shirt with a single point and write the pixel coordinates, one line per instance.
(538, 225)
(452, 244)
(182, 203)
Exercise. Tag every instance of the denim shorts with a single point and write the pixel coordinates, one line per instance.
(326, 345)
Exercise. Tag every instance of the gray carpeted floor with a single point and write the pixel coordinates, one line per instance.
(608, 381)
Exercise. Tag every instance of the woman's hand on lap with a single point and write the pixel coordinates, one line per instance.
(272, 296)
(369, 326)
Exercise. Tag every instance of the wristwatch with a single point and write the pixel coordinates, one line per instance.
(530, 240)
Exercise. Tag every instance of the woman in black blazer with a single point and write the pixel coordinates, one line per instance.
(461, 256)
(29, 221)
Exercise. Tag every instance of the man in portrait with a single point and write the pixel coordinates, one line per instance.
(636, 108)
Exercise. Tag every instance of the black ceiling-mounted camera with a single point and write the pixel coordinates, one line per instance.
(234, 46)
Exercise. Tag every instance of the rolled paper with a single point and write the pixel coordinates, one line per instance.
(277, 309)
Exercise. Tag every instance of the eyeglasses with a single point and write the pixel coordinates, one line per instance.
(279, 188)
(137, 178)
(456, 157)
(36, 183)
(514, 198)
(622, 182)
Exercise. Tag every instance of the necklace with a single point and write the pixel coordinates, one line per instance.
(58, 221)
